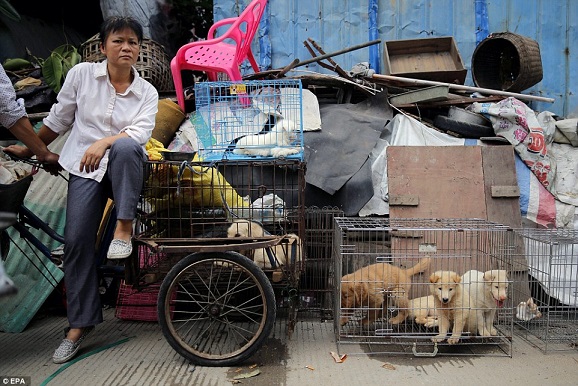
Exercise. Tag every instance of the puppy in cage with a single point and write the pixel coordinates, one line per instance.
(277, 142)
(280, 254)
(452, 305)
(368, 286)
(422, 310)
(488, 292)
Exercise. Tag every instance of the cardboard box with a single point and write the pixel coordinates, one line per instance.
(436, 59)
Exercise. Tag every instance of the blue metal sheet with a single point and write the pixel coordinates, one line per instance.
(338, 24)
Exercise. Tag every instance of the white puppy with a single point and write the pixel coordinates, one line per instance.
(274, 143)
(488, 292)
(281, 253)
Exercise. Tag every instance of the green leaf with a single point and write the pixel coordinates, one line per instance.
(56, 66)
(9, 11)
(52, 71)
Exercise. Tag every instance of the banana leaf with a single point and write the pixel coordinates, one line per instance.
(57, 65)
(53, 73)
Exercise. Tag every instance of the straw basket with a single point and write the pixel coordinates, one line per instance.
(507, 61)
(153, 63)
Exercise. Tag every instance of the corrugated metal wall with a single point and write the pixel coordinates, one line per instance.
(338, 24)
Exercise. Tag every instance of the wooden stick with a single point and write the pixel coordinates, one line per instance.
(336, 66)
(461, 87)
(343, 51)
(287, 68)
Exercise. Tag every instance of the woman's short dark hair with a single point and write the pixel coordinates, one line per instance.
(117, 23)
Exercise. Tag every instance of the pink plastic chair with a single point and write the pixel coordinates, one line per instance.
(223, 54)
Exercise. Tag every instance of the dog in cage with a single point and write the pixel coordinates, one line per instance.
(276, 142)
(422, 310)
(277, 256)
(488, 292)
(452, 305)
(370, 285)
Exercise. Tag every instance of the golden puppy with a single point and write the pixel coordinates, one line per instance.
(281, 253)
(488, 292)
(367, 287)
(423, 311)
(452, 304)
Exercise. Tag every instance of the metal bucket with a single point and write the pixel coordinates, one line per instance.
(508, 62)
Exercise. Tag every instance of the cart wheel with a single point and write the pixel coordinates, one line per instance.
(216, 308)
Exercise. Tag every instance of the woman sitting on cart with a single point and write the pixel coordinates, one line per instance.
(110, 111)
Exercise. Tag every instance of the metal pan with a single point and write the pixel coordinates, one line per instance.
(178, 156)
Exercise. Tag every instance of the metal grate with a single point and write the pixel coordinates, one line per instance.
(455, 245)
(552, 268)
(318, 281)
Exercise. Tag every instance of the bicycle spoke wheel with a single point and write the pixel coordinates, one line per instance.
(216, 308)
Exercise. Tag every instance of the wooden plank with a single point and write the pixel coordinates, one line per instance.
(505, 191)
(500, 170)
(447, 180)
(408, 200)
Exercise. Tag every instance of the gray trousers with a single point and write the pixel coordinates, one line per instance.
(85, 206)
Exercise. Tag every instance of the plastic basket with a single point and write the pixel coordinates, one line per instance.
(133, 304)
(153, 63)
(12, 195)
(251, 120)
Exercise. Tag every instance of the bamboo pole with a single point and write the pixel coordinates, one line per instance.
(462, 87)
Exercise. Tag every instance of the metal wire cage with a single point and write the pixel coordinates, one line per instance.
(455, 245)
(549, 318)
(251, 120)
(187, 205)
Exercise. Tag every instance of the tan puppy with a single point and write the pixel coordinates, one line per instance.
(452, 304)
(488, 292)
(423, 311)
(367, 287)
(281, 253)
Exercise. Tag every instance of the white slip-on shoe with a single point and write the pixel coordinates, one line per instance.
(119, 249)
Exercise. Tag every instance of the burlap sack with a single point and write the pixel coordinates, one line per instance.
(168, 120)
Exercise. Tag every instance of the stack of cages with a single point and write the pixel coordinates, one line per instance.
(548, 317)
(219, 194)
(383, 265)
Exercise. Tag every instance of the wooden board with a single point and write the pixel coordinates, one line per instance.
(463, 182)
(447, 179)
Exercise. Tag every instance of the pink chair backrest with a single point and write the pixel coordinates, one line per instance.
(244, 28)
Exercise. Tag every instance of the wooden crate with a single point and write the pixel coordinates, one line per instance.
(436, 59)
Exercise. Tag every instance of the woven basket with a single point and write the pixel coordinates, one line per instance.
(508, 62)
(153, 63)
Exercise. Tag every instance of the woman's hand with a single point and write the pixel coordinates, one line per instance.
(91, 159)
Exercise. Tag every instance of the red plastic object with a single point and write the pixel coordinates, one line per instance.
(223, 54)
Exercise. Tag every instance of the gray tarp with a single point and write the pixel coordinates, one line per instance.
(337, 153)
